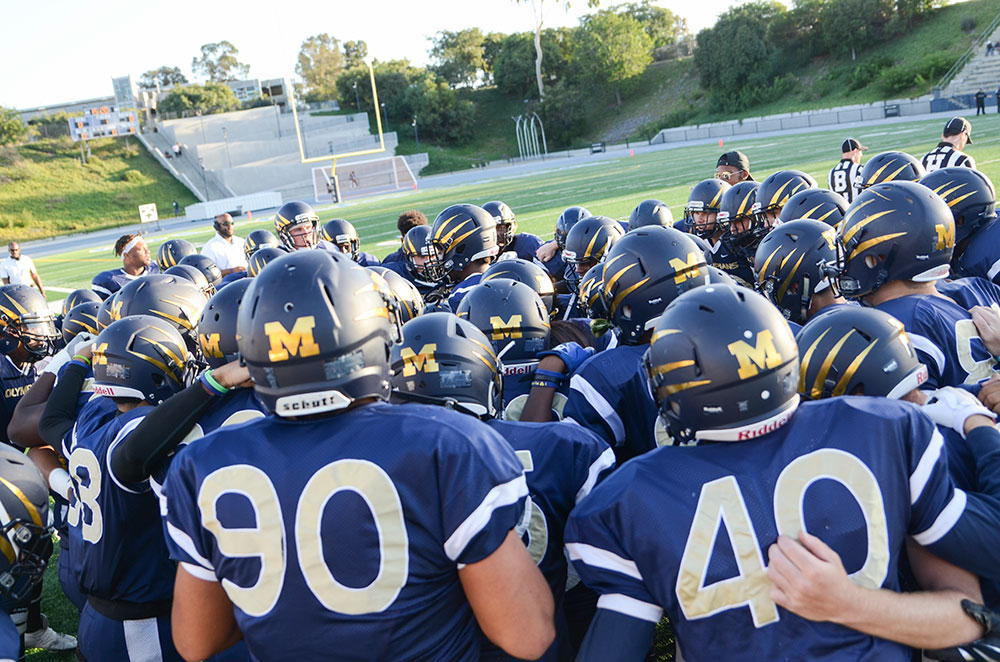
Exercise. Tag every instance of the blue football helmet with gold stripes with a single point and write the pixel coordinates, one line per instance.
(511, 315)
(217, 324)
(775, 192)
(528, 273)
(80, 319)
(296, 225)
(446, 360)
(76, 297)
(969, 194)
(737, 220)
(27, 326)
(722, 365)
(314, 331)
(174, 299)
(588, 243)
(141, 357)
(894, 231)
(25, 533)
(819, 204)
(891, 167)
(460, 235)
(172, 251)
(705, 196)
(794, 261)
(258, 239)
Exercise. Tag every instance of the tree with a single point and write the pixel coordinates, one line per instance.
(162, 77)
(615, 48)
(513, 70)
(219, 63)
(439, 113)
(847, 26)
(208, 99)
(355, 53)
(319, 63)
(491, 48)
(12, 129)
(458, 56)
(663, 26)
(536, 7)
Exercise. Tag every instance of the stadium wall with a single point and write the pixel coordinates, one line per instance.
(804, 119)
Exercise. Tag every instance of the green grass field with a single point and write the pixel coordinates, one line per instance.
(609, 187)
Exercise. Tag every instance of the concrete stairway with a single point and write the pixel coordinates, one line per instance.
(980, 72)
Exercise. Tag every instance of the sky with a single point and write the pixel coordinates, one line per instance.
(61, 51)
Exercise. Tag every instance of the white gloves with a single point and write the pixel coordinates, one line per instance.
(950, 407)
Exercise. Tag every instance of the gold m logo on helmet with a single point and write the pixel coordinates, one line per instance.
(97, 356)
(681, 268)
(422, 361)
(116, 309)
(945, 236)
(297, 342)
(762, 356)
(210, 345)
(509, 329)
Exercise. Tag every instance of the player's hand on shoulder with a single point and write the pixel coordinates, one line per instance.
(233, 375)
(987, 321)
(547, 251)
(808, 579)
(570, 353)
(989, 394)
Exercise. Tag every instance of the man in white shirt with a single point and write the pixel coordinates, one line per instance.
(20, 269)
(225, 249)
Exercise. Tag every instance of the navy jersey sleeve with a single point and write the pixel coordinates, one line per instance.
(593, 461)
(588, 402)
(189, 543)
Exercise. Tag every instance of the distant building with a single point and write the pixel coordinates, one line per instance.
(245, 90)
(273, 89)
(69, 107)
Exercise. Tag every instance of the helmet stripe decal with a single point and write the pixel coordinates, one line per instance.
(824, 368)
(790, 256)
(670, 389)
(767, 262)
(624, 293)
(854, 229)
(804, 365)
(614, 279)
(30, 507)
(851, 211)
(663, 333)
(791, 274)
(381, 311)
(893, 174)
(865, 245)
(440, 234)
(668, 367)
(851, 369)
(590, 247)
(743, 203)
(952, 203)
(176, 358)
(777, 194)
(159, 364)
(715, 200)
(173, 318)
(875, 175)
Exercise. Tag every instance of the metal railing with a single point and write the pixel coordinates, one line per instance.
(979, 42)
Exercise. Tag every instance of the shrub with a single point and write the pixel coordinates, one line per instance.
(968, 23)
(133, 177)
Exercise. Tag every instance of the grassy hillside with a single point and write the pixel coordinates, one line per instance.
(46, 191)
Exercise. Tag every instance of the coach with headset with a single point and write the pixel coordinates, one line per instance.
(225, 248)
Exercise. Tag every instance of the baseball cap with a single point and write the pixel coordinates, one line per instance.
(957, 125)
(852, 144)
(735, 159)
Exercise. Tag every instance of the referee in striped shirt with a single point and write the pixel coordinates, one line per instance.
(845, 178)
(957, 133)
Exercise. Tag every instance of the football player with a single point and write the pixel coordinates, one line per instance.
(652, 212)
(723, 367)
(463, 244)
(898, 239)
(550, 253)
(774, 193)
(416, 250)
(796, 266)
(587, 244)
(172, 251)
(196, 276)
(340, 235)
(405, 294)
(561, 463)
(138, 362)
(297, 226)
(529, 273)
(739, 238)
(643, 272)
(406, 222)
(175, 300)
(817, 204)
(261, 257)
(890, 167)
(433, 504)
(972, 199)
(523, 245)
(134, 253)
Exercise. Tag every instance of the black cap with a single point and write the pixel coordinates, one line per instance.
(852, 144)
(957, 125)
(735, 159)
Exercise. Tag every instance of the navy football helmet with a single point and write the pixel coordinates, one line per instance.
(894, 231)
(25, 533)
(315, 333)
(446, 360)
(460, 235)
(722, 365)
(853, 350)
(342, 234)
(106, 314)
(81, 318)
(76, 297)
(417, 249)
(217, 324)
(511, 315)
(794, 261)
(205, 265)
(173, 299)
(26, 322)
(172, 251)
(969, 194)
(650, 212)
(259, 239)
(588, 243)
(567, 219)
(194, 275)
(506, 223)
(742, 229)
(528, 273)
(891, 167)
(590, 293)
(706, 196)
(406, 296)
(775, 191)
(643, 272)
(819, 204)
(141, 357)
(296, 225)
(261, 257)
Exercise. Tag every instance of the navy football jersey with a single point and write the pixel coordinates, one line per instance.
(981, 256)
(945, 337)
(517, 378)
(971, 291)
(556, 266)
(702, 560)
(238, 406)
(736, 266)
(402, 268)
(108, 282)
(15, 383)
(350, 527)
(115, 536)
(608, 394)
(395, 256)
(524, 246)
(562, 464)
(462, 289)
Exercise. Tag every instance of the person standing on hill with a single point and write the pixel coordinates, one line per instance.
(980, 102)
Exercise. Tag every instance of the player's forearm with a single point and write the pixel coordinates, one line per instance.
(23, 426)
(60, 409)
